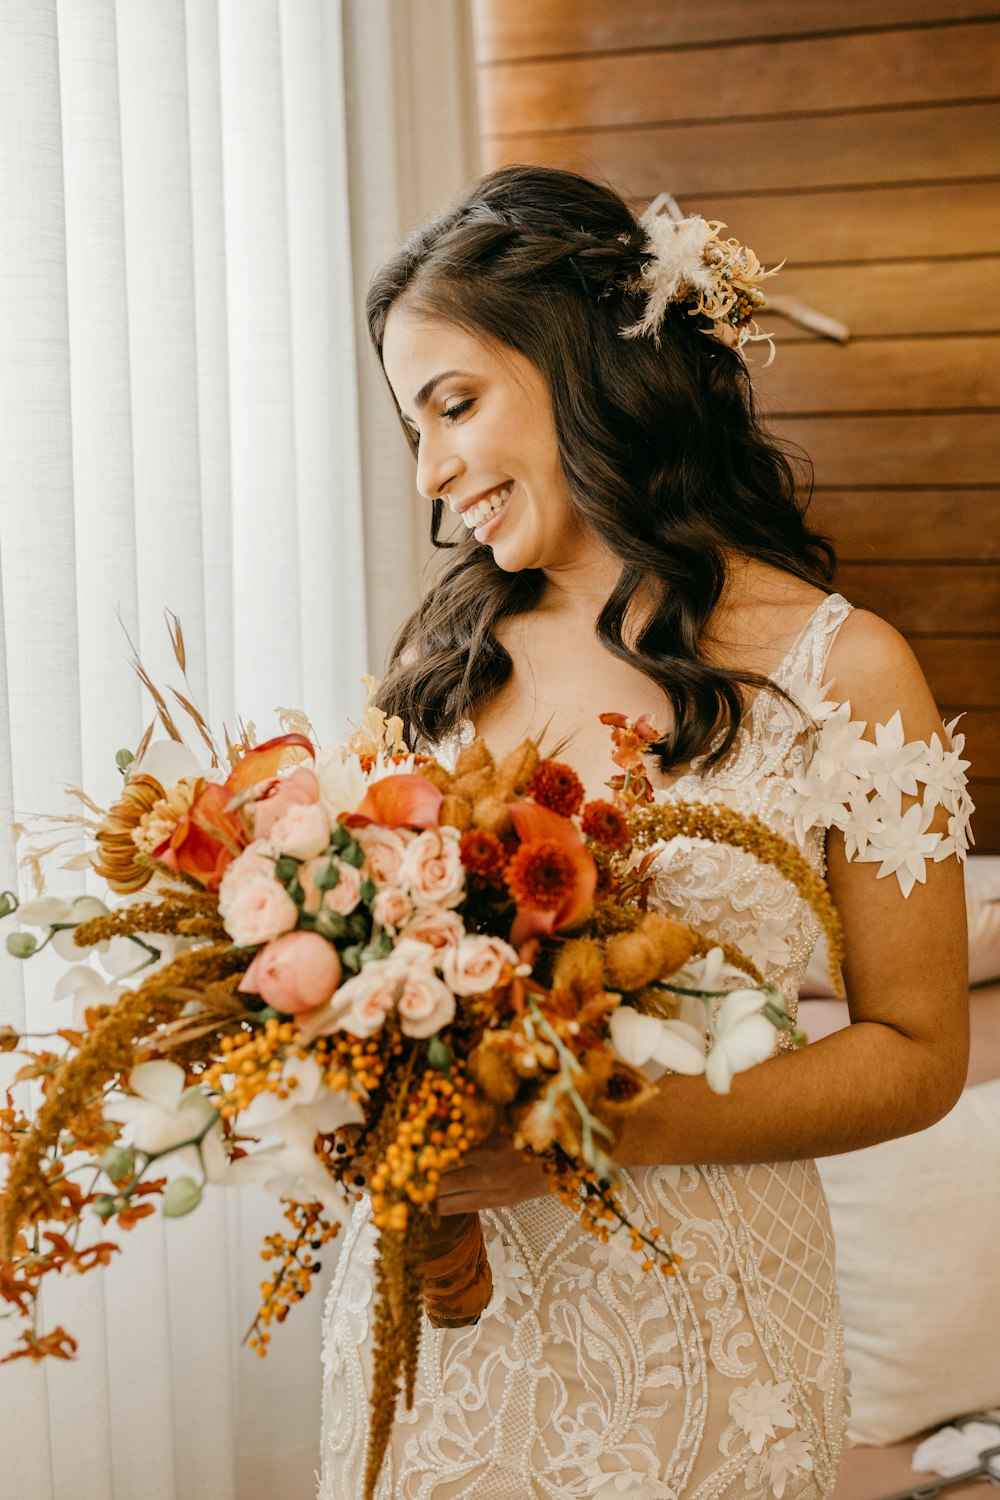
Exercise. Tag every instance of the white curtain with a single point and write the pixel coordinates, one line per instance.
(192, 198)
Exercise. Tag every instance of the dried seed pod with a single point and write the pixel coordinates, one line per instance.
(491, 813)
(474, 757)
(516, 770)
(456, 812)
(474, 783)
(654, 949)
(579, 967)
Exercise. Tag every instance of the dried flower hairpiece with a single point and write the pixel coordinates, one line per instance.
(691, 264)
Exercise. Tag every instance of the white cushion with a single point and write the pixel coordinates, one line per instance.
(917, 1227)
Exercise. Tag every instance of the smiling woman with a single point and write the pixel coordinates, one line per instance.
(571, 382)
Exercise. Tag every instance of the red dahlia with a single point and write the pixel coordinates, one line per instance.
(557, 787)
(605, 824)
(483, 854)
(541, 875)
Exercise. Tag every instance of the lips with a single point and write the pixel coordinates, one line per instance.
(463, 505)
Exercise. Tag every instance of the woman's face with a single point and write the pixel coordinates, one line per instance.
(483, 417)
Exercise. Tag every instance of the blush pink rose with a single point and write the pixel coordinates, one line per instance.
(439, 929)
(424, 1004)
(343, 897)
(302, 831)
(477, 964)
(364, 1001)
(384, 849)
(257, 860)
(300, 788)
(261, 909)
(294, 973)
(391, 907)
(432, 868)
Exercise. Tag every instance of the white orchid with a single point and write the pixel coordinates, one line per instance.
(161, 1114)
(742, 1036)
(640, 1039)
(290, 1168)
(87, 988)
(167, 761)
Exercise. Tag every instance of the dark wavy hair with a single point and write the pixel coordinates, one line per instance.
(663, 453)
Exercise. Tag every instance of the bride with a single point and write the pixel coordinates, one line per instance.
(573, 389)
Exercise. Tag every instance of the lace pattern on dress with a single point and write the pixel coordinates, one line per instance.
(587, 1377)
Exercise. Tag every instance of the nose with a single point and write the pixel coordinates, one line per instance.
(437, 467)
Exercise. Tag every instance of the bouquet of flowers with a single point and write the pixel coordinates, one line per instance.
(342, 968)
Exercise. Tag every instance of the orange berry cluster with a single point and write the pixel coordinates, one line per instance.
(254, 1060)
(356, 1065)
(293, 1278)
(578, 1188)
(431, 1136)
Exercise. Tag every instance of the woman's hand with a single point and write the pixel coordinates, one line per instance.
(494, 1176)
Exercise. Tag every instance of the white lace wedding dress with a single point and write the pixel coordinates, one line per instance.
(588, 1377)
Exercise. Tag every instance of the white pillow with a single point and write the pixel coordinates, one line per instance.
(982, 905)
(917, 1228)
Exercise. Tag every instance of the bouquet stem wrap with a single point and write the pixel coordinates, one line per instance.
(458, 1284)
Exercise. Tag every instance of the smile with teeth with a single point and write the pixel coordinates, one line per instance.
(484, 509)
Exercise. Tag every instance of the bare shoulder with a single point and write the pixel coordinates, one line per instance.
(873, 666)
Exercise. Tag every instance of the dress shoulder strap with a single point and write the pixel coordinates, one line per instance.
(806, 661)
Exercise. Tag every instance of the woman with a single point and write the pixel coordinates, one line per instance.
(635, 545)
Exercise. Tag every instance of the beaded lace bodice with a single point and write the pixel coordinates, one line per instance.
(587, 1377)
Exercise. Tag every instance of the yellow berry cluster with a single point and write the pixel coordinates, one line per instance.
(431, 1137)
(358, 1066)
(292, 1280)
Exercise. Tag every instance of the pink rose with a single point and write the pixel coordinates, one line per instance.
(295, 973)
(384, 849)
(256, 860)
(439, 929)
(432, 868)
(364, 1001)
(343, 897)
(302, 831)
(477, 964)
(300, 788)
(260, 910)
(424, 1004)
(391, 907)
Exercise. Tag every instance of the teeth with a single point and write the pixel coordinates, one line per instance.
(477, 514)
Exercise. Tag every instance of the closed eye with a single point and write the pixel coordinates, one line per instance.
(450, 414)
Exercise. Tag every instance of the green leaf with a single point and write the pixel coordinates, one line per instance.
(439, 1054)
(353, 854)
(328, 878)
(286, 868)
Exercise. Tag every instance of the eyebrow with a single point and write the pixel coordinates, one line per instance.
(426, 391)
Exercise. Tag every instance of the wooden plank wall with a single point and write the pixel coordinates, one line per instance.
(862, 144)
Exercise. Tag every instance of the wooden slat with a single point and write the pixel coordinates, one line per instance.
(868, 224)
(921, 296)
(986, 818)
(883, 375)
(981, 727)
(962, 674)
(961, 599)
(865, 452)
(505, 30)
(859, 71)
(880, 525)
(907, 145)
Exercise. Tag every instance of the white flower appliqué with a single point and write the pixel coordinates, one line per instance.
(759, 1409)
(857, 785)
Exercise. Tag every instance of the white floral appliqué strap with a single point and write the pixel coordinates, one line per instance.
(857, 786)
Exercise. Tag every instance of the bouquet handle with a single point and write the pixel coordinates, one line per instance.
(458, 1284)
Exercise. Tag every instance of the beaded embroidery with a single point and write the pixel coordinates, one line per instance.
(586, 1378)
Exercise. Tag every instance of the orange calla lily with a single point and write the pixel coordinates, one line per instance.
(534, 824)
(404, 801)
(267, 760)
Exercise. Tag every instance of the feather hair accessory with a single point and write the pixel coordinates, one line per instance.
(690, 263)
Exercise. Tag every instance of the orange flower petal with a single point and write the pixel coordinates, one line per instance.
(405, 801)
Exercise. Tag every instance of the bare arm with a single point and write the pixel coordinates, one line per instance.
(897, 1068)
